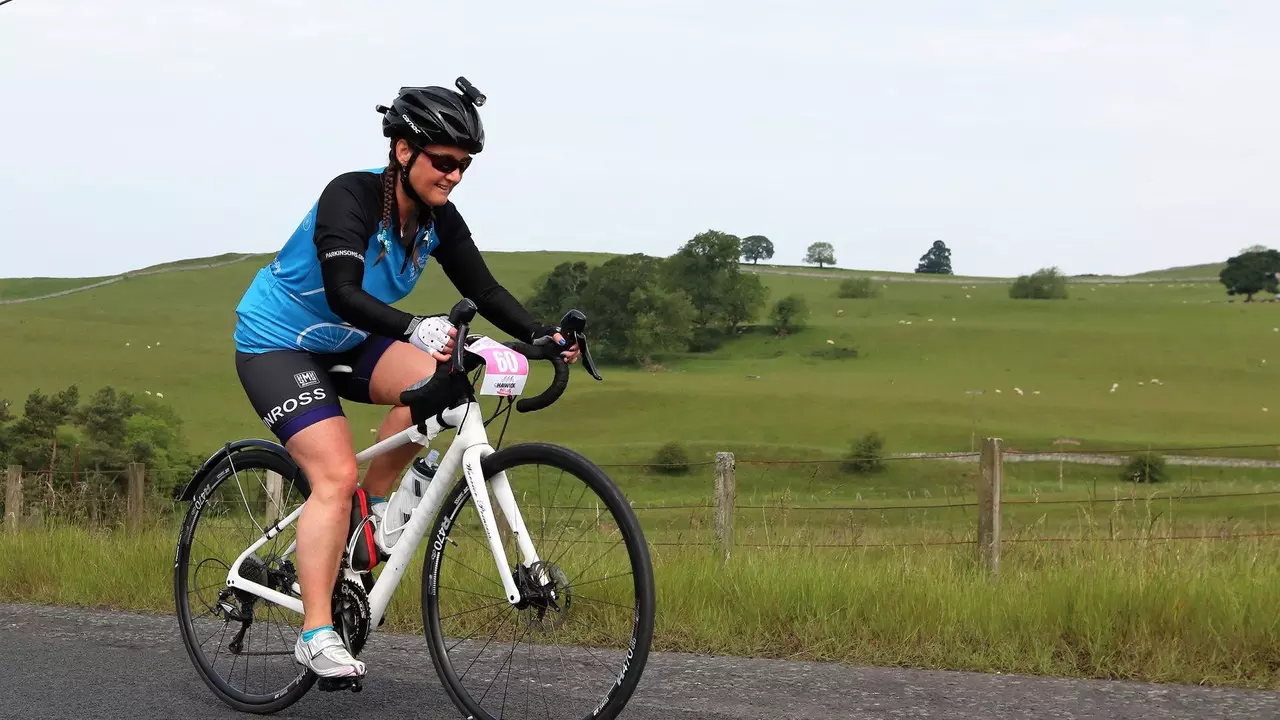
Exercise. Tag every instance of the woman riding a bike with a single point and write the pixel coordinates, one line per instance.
(325, 301)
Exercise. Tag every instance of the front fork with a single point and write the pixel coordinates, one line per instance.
(471, 460)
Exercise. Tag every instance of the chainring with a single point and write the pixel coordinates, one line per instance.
(351, 614)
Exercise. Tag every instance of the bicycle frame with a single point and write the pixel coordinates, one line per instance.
(470, 446)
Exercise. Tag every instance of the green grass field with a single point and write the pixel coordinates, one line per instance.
(1187, 271)
(921, 347)
(15, 288)
(1195, 612)
(1152, 605)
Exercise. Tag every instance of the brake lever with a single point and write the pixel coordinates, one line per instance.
(590, 365)
(460, 317)
(457, 362)
(574, 325)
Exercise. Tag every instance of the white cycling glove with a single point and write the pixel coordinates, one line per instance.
(430, 334)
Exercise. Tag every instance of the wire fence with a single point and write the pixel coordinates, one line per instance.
(985, 499)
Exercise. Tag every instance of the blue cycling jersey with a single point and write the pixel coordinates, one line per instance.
(332, 284)
(285, 307)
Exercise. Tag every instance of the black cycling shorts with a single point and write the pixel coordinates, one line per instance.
(294, 389)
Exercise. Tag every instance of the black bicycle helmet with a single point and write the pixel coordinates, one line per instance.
(435, 115)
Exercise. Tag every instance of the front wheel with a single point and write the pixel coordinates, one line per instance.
(577, 643)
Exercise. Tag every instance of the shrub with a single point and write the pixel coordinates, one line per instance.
(867, 455)
(857, 288)
(672, 459)
(1043, 284)
(1145, 468)
(790, 314)
(838, 352)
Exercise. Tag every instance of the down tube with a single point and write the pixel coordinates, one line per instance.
(414, 530)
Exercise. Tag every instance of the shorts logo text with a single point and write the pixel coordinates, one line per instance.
(307, 379)
(304, 398)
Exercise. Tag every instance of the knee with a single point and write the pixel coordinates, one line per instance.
(335, 481)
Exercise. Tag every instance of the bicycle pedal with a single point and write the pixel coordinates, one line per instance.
(336, 684)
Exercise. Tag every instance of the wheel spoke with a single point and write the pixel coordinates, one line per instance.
(482, 626)
(585, 635)
(215, 533)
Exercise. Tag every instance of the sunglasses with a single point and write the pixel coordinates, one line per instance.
(447, 163)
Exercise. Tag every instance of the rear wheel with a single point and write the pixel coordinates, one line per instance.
(241, 644)
(576, 645)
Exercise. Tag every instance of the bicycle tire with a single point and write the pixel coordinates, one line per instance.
(266, 703)
(617, 696)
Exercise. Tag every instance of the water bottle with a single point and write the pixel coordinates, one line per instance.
(406, 497)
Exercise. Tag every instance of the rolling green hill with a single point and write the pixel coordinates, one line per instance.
(920, 347)
(1209, 270)
(23, 288)
(15, 288)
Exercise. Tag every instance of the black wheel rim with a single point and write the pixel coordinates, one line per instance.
(241, 645)
(570, 649)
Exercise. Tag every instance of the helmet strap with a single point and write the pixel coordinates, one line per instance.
(404, 180)
(424, 211)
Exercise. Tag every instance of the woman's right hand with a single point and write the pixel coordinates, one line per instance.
(435, 335)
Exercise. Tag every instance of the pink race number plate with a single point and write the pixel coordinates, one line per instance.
(505, 370)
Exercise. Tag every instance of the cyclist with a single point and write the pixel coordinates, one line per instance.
(325, 301)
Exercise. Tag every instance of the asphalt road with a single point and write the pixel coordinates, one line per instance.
(74, 663)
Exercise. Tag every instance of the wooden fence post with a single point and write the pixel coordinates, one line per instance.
(725, 481)
(137, 472)
(990, 484)
(13, 498)
(275, 496)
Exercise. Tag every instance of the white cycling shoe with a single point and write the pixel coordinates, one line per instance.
(327, 657)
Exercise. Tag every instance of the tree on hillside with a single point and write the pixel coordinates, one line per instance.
(640, 305)
(105, 419)
(606, 300)
(31, 438)
(1251, 272)
(937, 260)
(756, 247)
(744, 297)
(94, 442)
(663, 322)
(706, 269)
(820, 254)
(559, 290)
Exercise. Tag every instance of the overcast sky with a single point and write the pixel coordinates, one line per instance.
(1095, 136)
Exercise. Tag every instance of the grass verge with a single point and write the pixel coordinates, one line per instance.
(1169, 611)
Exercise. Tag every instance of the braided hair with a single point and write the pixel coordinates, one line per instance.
(389, 176)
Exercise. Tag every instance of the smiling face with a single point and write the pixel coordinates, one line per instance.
(436, 171)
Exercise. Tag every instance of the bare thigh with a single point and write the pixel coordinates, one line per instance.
(400, 366)
(324, 452)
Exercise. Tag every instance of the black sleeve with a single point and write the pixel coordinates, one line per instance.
(347, 215)
(462, 263)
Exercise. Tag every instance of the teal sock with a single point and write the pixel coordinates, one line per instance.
(308, 634)
(374, 499)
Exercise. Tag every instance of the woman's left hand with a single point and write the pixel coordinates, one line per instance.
(570, 354)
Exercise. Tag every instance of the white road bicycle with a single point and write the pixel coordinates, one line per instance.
(542, 609)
